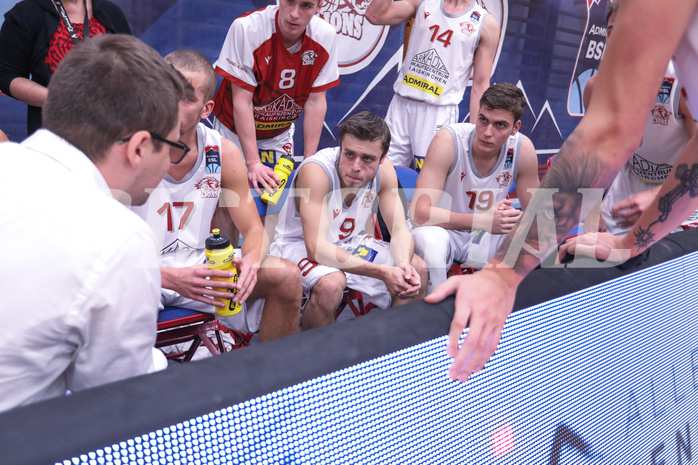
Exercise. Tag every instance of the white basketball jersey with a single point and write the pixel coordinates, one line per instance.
(468, 191)
(346, 222)
(439, 58)
(662, 142)
(180, 212)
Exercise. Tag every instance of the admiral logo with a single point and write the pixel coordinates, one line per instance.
(208, 187)
(596, 30)
(462, 175)
(424, 86)
(359, 40)
(475, 17)
(660, 115)
(653, 173)
(213, 159)
(308, 57)
(503, 179)
(426, 14)
(267, 59)
(283, 110)
(467, 28)
(262, 126)
(429, 65)
(665, 90)
(509, 159)
(335, 213)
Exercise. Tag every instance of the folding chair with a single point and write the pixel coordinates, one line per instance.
(180, 325)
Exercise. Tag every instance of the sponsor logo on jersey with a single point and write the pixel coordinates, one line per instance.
(475, 17)
(424, 86)
(233, 64)
(503, 179)
(426, 14)
(359, 41)
(272, 126)
(366, 253)
(462, 175)
(175, 246)
(277, 114)
(665, 90)
(308, 58)
(509, 160)
(653, 173)
(428, 65)
(418, 163)
(213, 159)
(368, 200)
(596, 30)
(267, 59)
(208, 187)
(467, 28)
(660, 115)
(335, 213)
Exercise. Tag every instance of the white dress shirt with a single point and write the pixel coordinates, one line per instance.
(79, 276)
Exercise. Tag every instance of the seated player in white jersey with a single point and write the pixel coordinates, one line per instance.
(460, 200)
(322, 225)
(181, 211)
(669, 128)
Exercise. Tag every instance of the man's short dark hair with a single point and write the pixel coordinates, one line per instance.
(191, 61)
(504, 96)
(366, 126)
(109, 87)
(612, 8)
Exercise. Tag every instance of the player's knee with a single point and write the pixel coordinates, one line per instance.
(329, 289)
(420, 266)
(281, 280)
(431, 243)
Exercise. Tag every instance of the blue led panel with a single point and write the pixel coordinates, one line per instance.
(604, 375)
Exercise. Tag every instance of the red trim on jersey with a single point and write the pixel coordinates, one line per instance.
(235, 80)
(326, 86)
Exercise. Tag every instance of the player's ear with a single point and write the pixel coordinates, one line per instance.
(206, 110)
(516, 127)
(137, 146)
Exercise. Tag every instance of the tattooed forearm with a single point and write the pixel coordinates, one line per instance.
(554, 209)
(688, 184)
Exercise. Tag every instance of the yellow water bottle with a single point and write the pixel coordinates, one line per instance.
(283, 168)
(219, 256)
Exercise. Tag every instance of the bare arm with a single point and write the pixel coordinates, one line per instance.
(611, 129)
(527, 180)
(241, 207)
(28, 92)
(313, 118)
(244, 125)
(689, 122)
(482, 64)
(430, 184)
(388, 12)
(401, 242)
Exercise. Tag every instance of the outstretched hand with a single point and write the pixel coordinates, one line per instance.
(483, 302)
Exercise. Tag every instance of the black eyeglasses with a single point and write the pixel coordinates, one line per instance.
(176, 156)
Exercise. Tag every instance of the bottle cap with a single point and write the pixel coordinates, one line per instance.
(217, 241)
